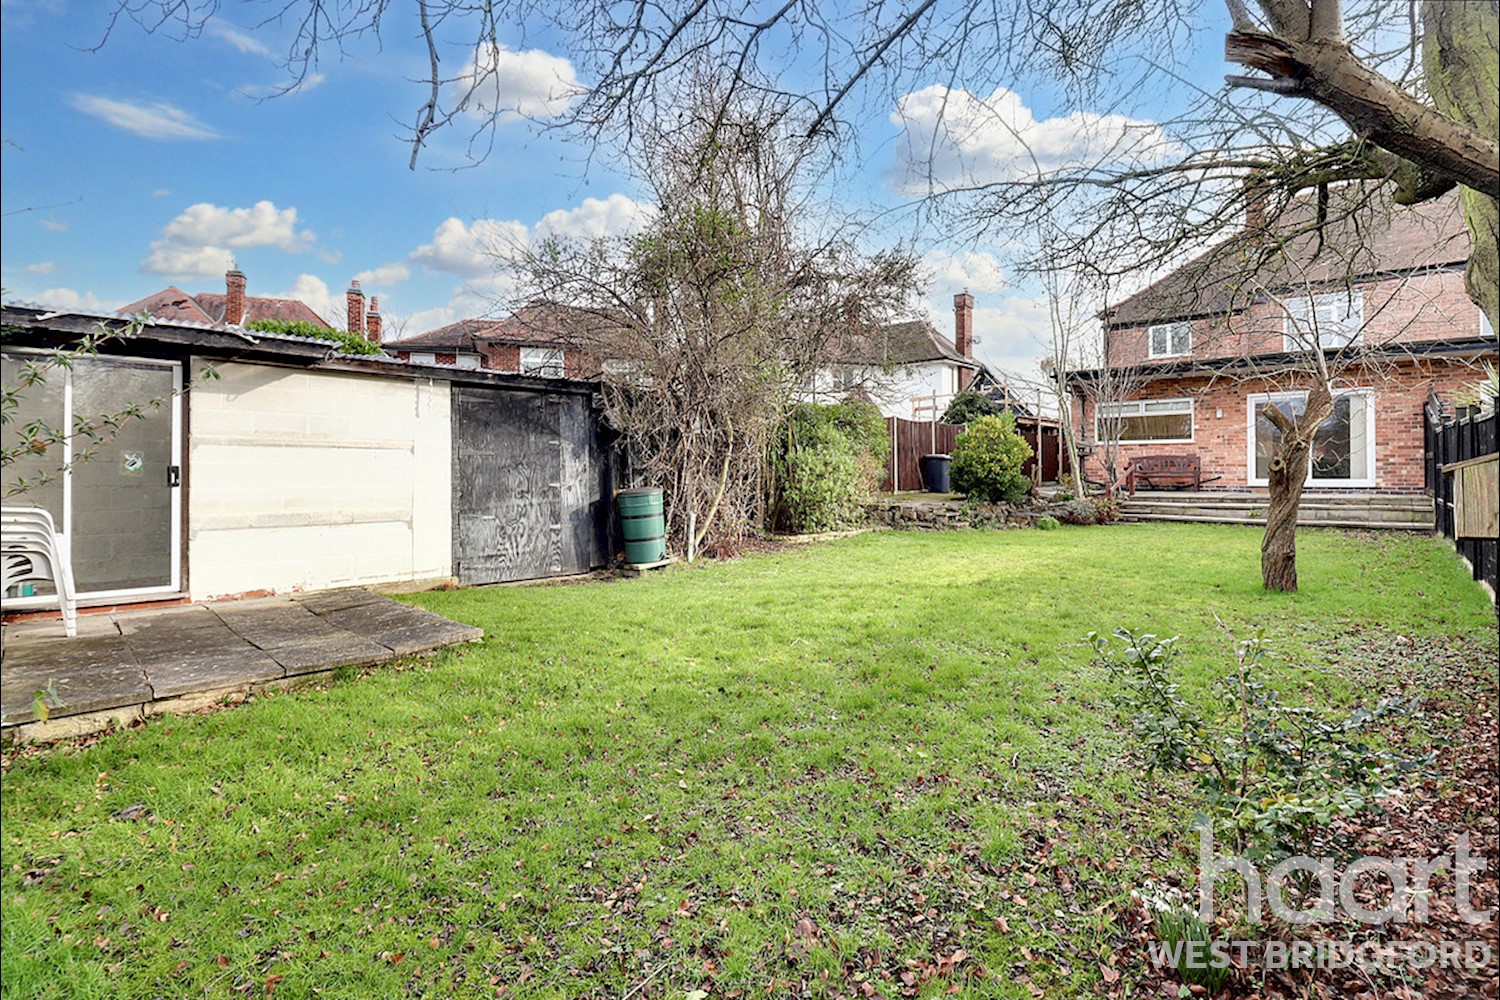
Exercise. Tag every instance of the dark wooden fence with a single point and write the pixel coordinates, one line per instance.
(1461, 455)
(911, 439)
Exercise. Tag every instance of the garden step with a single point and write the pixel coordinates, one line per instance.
(1350, 510)
(1310, 522)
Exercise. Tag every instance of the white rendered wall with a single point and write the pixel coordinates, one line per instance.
(301, 480)
(895, 392)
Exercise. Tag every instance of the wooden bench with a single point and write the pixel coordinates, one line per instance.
(1178, 472)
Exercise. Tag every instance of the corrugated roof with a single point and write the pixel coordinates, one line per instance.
(1364, 235)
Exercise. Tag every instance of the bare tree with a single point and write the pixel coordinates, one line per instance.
(703, 326)
(1423, 113)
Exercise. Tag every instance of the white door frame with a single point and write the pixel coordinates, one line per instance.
(1253, 403)
(174, 407)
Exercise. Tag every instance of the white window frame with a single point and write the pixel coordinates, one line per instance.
(1253, 403)
(1139, 405)
(1343, 326)
(543, 362)
(1171, 331)
(467, 361)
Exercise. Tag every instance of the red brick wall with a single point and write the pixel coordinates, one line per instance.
(1222, 440)
(446, 359)
(502, 357)
(1429, 306)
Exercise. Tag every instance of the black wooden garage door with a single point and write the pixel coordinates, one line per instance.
(531, 486)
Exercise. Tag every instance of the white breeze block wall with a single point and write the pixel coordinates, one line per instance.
(302, 480)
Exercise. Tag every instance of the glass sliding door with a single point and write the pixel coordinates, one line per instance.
(1343, 452)
(112, 484)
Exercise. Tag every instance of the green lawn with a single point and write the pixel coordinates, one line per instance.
(882, 760)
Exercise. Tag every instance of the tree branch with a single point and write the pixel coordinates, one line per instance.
(1374, 107)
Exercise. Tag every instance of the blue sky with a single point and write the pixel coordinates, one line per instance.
(152, 162)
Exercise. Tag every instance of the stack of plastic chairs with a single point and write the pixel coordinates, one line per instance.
(32, 549)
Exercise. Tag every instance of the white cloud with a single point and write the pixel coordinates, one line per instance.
(314, 291)
(54, 225)
(952, 138)
(199, 241)
(611, 216)
(469, 250)
(514, 85)
(385, 274)
(968, 269)
(242, 41)
(161, 192)
(151, 121)
(479, 248)
(67, 298)
(42, 267)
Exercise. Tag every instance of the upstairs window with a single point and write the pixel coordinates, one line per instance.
(1170, 339)
(542, 362)
(1335, 318)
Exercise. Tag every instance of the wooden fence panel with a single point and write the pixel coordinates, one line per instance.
(911, 439)
(1460, 458)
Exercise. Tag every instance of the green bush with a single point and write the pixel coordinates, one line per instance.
(969, 406)
(822, 485)
(349, 343)
(1273, 774)
(987, 460)
(1048, 523)
(861, 425)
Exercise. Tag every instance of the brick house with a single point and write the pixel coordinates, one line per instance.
(906, 369)
(540, 339)
(1372, 290)
(234, 308)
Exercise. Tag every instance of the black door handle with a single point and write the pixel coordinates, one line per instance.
(174, 475)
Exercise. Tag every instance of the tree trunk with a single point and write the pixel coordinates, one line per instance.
(1278, 551)
(1287, 478)
(1463, 78)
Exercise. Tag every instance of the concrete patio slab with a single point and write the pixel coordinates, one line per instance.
(133, 664)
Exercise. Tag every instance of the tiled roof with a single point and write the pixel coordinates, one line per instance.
(550, 324)
(175, 305)
(539, 323)
(1364, 235)
(908, 343)
(457, 337)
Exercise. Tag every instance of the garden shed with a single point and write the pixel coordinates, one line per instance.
(264, 463)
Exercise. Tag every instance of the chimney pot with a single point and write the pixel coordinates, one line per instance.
(234, 297)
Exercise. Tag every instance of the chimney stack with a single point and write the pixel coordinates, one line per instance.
(372, 327)
(963, 333)
(356, 300)
(1257, 192)
(234, 297)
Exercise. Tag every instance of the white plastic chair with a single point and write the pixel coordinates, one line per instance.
(31, 549)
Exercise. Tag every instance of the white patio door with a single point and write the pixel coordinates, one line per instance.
(113, 484)
(1343, 452)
